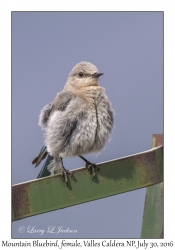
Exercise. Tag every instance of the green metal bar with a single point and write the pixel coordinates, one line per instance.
(114, 177)
(152, 226)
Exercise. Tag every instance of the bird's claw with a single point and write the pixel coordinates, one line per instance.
(91, 168)
(64, 173)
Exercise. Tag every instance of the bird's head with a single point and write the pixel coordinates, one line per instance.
(83, 74)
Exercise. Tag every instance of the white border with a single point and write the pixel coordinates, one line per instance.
(5, 91)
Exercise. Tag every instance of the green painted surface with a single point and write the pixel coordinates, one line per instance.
(152, 225)
(114, 177)
(153, 214)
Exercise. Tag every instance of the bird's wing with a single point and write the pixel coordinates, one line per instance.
(44, 115)
(63, 127)
(59, 103)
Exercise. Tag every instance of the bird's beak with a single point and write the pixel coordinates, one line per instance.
(97, 74)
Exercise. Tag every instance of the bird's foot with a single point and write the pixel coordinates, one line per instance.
(64, 174)
(91, 168)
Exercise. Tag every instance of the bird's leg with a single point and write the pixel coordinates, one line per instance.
(90, 166)
(65, 172)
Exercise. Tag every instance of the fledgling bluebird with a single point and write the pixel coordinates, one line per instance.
(78, 121)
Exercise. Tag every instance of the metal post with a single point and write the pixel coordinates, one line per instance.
(152, 225)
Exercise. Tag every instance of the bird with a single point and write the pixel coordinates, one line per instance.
(78, 121)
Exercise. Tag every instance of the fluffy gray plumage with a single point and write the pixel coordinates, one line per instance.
(80, 118)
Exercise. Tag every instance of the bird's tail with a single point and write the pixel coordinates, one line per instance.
(44, 171)
(42, 155)
(51, 165)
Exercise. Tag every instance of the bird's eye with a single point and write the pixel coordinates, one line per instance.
(81, 74)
